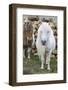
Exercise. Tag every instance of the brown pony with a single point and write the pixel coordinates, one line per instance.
(27, 38)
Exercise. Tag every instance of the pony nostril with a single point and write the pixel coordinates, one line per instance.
(43, 42)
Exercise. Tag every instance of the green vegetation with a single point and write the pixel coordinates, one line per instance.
(32, 66)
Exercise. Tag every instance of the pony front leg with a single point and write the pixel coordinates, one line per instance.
(24, 53)
(42, 62)
(29, 50)
(48, 55)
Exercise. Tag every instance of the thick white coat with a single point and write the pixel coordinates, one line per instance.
(45, 33)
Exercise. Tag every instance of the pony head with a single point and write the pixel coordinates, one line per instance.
(45, 31)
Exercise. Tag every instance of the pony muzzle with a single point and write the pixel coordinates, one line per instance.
(43, 42)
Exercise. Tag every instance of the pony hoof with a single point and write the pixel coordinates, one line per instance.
(42, 67)
(28, 57)
(48, 69)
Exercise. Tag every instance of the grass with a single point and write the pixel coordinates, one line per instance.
(32, 66)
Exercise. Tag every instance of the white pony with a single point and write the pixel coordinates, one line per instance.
(45, 43)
